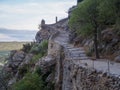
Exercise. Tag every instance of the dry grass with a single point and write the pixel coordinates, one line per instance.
(7, 46)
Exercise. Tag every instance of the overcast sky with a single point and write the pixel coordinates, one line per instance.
(27, 14)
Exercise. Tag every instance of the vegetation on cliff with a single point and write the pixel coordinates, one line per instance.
(29, 82)
(32, 79)
(91, 17)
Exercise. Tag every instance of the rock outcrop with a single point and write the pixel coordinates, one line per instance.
(47, 30)
(16, 66)
(73, 70)
(78, 72)
(109, 43)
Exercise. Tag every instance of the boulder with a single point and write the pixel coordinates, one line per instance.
(46, 64)
(16, 59)
(50, 78)
(117, 59)
(28, 58)
(11, 82)
(45, 31)
(107, 35)
(78, 40)
(18, 56)
(42, 35)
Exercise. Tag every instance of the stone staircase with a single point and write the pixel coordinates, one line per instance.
(75, 56)
(78, 56)
(71, 52)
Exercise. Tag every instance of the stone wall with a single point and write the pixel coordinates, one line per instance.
(80, 77)
(53, 47)
(55, 50)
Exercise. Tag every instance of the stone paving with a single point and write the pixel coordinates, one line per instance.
(78, 56)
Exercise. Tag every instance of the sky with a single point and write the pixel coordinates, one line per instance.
(27, 14)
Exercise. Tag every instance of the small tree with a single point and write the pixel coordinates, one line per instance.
(85, 20)
(109, 12)
(79, 1)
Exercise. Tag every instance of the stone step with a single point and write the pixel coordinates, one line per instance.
(76, 49)
(64, 35)
(79, 52)
(69, 46)
(78, 55)
(62, 40)
(83, 55)
(66, 44)
(63, 32)
(78, 58)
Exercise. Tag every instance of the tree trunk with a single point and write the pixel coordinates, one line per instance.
(96, 44)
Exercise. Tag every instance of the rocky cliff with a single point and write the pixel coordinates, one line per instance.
(46, 30)
(74, 70)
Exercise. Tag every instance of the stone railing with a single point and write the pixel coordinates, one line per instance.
(53, 46)
(84, 78)
(55, 50)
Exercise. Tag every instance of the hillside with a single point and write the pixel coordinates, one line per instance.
(62, 62)
(81, 52)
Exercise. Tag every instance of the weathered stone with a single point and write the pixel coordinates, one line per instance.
(46, 64)
(50, 78)
(47, 30)
(107, 35)
(117, 59)
(28, 58)
(18, 56)
(11, 82)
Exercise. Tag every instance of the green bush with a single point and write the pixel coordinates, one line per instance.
(40, 47)
(29, 82)
(35, 49)
(44, 46)
(26, 47)
(36, 57)
(38, 70)
(34, 81)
